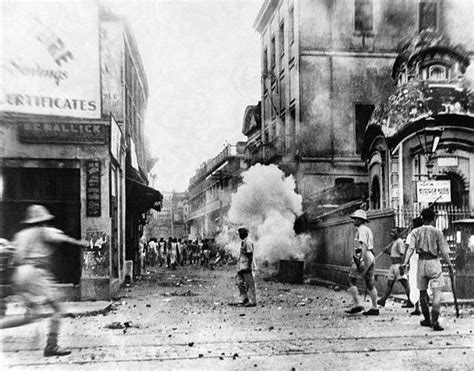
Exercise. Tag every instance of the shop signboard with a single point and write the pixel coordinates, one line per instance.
(50, 58)
(93, 197)
(62, 133)
(115, 139)
(434, 191)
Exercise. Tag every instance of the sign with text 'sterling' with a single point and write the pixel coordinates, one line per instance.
(434, 191)
(49, 64)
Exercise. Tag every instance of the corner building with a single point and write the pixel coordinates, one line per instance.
(75, 145)
(324, 68)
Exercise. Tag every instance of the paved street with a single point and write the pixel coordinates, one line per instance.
(181, 320)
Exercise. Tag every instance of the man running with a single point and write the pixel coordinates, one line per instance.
(396, 251)
(34, 247)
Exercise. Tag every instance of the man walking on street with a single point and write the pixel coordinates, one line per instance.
(396, 251)
(34, 247)
(430, 244)
(245, 279)
(363, 264)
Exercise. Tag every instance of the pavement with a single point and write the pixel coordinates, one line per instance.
(181, 320)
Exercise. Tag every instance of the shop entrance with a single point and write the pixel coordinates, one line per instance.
(59, 191)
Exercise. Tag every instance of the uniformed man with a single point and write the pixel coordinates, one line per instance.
(430, 245)
(363, 264)
(34, 247)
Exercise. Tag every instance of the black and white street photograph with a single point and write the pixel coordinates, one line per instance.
(237, 185)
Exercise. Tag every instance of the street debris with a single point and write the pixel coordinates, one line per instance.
(180, 293)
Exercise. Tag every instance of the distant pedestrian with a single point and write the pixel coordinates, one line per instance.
(245, 279)
(396, 251)
(173, 254)
(430, 245)
(34, 248)
(152, 251)
(168, 250)
(363, 264)
(161, 251)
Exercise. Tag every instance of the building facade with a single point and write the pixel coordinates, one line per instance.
(66, 142)
(417, 141)
(210, 191)
(324, 68)
(171, 220)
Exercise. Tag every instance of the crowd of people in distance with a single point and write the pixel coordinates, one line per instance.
(179, 252)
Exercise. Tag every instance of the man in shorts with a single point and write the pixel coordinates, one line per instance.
(430, 245)
(396, 251)
(363, 265)
(34, 247)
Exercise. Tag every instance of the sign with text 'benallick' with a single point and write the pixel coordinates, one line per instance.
(49, 62)
(62, 133)
(434, 190)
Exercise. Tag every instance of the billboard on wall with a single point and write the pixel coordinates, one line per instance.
(434, 191)
(49, 62)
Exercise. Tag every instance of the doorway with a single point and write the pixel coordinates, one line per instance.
(59, 191)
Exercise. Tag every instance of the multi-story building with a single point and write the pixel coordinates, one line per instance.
(71, 136)
(210, 191)
(324, 67)
(409, 59)
(171, 220)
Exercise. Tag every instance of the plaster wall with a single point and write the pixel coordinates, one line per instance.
(111, 65)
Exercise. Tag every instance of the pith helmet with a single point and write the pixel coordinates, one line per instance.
(37, 214)
(360, 214)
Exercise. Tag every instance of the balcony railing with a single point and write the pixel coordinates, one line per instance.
(209, 166)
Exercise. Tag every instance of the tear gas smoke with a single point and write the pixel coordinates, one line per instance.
(267, 204)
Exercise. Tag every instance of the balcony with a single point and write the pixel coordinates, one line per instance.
(266, 154)
(214, 163)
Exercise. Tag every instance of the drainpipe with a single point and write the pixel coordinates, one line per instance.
(331, 107)
(331, 84)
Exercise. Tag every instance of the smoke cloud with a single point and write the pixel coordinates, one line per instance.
(267, 204)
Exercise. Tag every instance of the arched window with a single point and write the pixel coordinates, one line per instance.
(375, 193)
(437, 73)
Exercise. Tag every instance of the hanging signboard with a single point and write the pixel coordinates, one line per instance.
(115, 139)
(50, 58)
(93, 188)
(434, 190)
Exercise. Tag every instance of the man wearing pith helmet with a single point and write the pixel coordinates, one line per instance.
(363, 264)
(34, 247)
(245, 279)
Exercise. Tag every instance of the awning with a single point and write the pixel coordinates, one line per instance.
(141, 197)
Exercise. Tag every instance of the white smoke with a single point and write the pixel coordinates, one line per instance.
(267, 204)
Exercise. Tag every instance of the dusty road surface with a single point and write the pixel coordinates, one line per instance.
(181, 320)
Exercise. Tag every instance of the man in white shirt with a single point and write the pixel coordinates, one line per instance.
(363, 265)
(245, 279)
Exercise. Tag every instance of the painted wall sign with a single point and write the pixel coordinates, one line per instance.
(447, 161)
(95, 261)
(50, 58)
(115, 139)
(62, 133)
(93, 198)
(434, 190)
